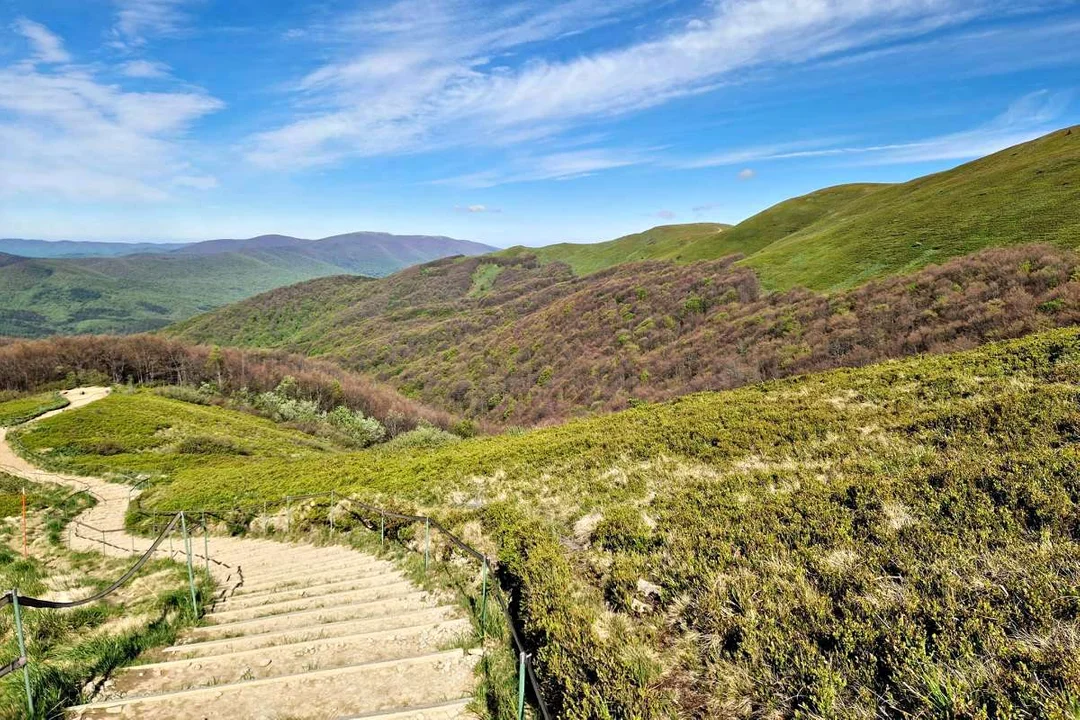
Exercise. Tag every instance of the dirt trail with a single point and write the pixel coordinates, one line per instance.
(310, 632)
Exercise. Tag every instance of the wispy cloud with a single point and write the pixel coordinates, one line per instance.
(456, 83)
(1029, 117)
(477, 209)
(554, 166)
(146, 69)
(48, 48)
(138, 19)
(64, 132)
(747, 174)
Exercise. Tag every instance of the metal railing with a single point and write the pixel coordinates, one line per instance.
(525, 665)
(18, 601)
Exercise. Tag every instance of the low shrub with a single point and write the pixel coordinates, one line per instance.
(209, 445)
(424, 437)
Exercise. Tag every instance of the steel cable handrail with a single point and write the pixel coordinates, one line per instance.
(516, 635)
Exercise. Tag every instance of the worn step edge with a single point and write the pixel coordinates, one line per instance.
(446, 613)
(240, 686)
(220, 619)
(356, 595)
(419, 595)
(369, 581)
(286, 648)
(306, 566)
(255, 584)
(413, 712)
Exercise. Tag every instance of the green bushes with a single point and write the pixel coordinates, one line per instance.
(20, 410)
(206, 445)
(282, 405)
(425, 437)
(901, 539)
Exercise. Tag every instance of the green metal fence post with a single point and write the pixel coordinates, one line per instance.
(427, 541)
(22, 650)
(206, 542)
(190, 566)
(521, 686)
(382, 529)
(483, 600)
(102, 542)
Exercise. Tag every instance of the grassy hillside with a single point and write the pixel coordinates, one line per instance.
(1020, 195)
(900, 538)
(678, 243)
(159, 436)
(515, 343)
(842, 236)
(19, 410)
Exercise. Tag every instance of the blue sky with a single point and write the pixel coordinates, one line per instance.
(501, 121)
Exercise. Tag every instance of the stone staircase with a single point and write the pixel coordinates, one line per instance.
(311, 632)
(302, 633)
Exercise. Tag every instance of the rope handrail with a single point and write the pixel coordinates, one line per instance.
(17, 601)
(516, 635)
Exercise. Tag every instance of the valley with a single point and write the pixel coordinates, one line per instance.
(146, 291)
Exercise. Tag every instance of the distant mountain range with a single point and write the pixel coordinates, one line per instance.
(73, 287)
(80, 248)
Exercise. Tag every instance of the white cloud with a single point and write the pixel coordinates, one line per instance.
(137, 19)
(148, 69)
(747, 174)
(65, 133)
(554, 166)
(1029, 117)
(196, 182)
(477, 209)
(666, 214)
(449, 88)
(48, 48)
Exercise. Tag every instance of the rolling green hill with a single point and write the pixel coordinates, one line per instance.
(901, 536)
(842, 236)
(1024, 194)
(678, 243)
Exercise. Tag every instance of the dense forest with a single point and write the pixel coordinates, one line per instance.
(510, 341)
(148, 359)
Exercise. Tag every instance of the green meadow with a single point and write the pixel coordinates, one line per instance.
(901, 537)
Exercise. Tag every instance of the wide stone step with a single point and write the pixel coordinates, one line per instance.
(278, 660)
(354, 611)
(387, 688)
(270, 573)
(271, 596)
(256, 584)
(394, 621)
(227, 614)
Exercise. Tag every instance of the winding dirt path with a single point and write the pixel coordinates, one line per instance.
(304, 632)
